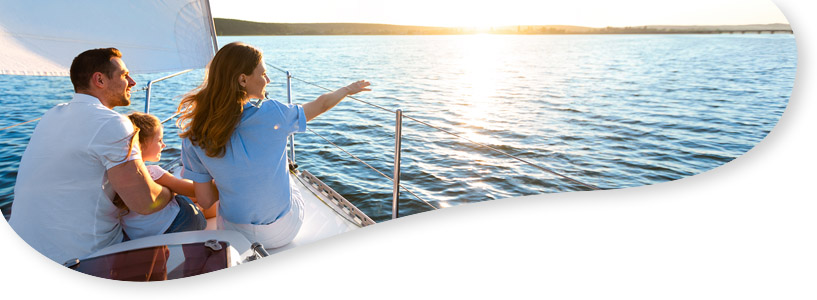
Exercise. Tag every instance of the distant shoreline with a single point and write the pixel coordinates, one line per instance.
(243, 28)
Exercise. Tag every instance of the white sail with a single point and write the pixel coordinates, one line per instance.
(42, 37)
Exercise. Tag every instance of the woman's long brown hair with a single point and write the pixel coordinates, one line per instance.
(210, 113)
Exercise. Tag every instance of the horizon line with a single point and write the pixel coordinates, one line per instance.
(482, 26)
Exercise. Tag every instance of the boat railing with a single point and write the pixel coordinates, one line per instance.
(149, 87)
(398, 113)
(398, 137)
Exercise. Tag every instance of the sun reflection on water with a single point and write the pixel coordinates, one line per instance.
(480, 63)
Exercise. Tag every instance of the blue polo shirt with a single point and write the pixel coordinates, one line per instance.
(252, 177)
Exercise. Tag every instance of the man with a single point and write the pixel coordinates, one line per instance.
(80, 155)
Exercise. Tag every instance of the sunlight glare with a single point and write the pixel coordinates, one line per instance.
(480, 63)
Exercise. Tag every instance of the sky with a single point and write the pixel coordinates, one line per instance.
(470, 13)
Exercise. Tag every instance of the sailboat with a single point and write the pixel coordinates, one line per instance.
(41, 39)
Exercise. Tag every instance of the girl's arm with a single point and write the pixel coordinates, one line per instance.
(177, 185)
(188, 188)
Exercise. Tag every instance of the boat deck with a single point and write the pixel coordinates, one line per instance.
(322, 218)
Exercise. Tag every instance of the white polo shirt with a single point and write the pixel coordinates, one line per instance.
(62, 199)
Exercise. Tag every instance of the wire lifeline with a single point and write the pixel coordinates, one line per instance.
(373, 168)
(171, 117)
(592, 187)
(37, 119)
(15, 125)
(329, 90)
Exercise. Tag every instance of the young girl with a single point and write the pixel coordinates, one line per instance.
(179, 215)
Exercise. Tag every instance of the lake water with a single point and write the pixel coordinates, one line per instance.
(614, 111)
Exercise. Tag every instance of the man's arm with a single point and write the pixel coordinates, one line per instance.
(133, 184)
(326, 101)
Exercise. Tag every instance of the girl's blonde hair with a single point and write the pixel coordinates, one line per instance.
(146, 127)
(210, 113)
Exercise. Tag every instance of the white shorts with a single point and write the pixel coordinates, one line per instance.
(276, 234)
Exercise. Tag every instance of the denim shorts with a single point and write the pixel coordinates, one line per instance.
(189, 218)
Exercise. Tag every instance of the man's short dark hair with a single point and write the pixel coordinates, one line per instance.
(89, 62)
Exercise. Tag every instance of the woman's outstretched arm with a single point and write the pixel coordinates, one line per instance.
(327, 101)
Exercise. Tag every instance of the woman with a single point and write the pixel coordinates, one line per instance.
(241, 146)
